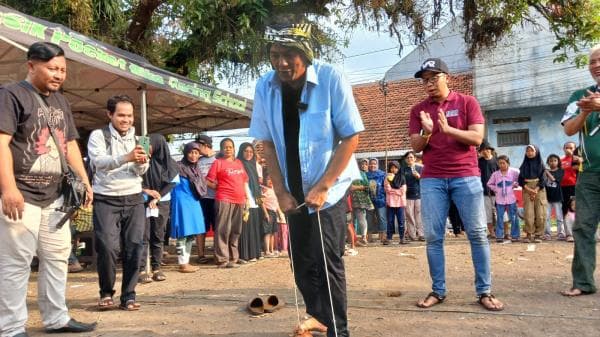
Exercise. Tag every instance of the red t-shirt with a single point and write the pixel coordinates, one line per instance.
(445, 157)
(230, 177)
(570, 177)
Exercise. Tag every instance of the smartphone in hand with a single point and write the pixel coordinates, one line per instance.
(144, 141)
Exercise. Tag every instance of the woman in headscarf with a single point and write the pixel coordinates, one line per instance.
(395, 198)
(533, 180)
(157, 185)
(250, 238)
(187, 219)
(377, 193)
(229, 180)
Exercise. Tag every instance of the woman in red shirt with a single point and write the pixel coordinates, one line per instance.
(229, 180)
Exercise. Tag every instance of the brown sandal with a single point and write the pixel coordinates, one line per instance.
(440, 299)
(490, 301)
(105, 303)
(130, 305)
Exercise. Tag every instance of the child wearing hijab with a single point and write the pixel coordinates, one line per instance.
(157, 184)
(395, 197)
(187, 219)
(533, 180)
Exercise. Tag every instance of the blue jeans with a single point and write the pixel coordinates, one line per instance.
(395, 213)
(515, 231)
(381, 218)
(467, 194)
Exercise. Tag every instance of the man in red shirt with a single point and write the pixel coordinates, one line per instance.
(570, 164)
(447, 126)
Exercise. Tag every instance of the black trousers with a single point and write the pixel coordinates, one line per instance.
(119, 224)
(309, 266)
(154, 236)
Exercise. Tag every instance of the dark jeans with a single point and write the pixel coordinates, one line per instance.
(398, 213)
(567, 193)
(119, 220)
(154, 236)
(305, 244)
(208, 210)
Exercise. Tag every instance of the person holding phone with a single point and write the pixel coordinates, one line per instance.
(119, 214)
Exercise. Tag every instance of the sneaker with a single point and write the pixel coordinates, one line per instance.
(385, 243)
(499, 240)
(515, 239)
(547, 237)
(570, 239)
(561, 237)
(351, 252)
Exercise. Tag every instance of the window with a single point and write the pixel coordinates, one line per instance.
(513, 137)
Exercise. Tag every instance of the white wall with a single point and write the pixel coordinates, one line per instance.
(520, 72)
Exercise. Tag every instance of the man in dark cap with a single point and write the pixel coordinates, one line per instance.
(447, 126)
(207, 201)
(310, 162)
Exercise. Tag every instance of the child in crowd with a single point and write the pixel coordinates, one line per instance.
(533, 180)
(351, 233)
(271, 209)
(395, 198)
(554, 175)
(281, 238)
(187, 219)
(502, 183)
(361, 202)
(570, 219)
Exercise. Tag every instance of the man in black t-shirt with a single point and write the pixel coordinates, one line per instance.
(30, 190)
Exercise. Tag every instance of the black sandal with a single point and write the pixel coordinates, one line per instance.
(491, 297)
(440, 299)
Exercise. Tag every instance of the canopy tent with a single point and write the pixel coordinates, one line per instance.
(169, 103)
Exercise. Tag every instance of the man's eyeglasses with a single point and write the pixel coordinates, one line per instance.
(432, 79)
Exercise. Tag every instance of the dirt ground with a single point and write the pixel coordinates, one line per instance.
(212, 301)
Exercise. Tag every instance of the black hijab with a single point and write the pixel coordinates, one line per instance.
(162, 168)
(250, 167)
(399, 179)
(190, 170)
(532, 168)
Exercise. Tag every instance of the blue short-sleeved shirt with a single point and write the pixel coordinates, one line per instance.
(331, 115)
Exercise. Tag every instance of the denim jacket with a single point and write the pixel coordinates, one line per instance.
(330, 116)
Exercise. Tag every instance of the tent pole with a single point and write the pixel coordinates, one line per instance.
(144, 111)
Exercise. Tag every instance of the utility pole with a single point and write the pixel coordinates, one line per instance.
(383, 86)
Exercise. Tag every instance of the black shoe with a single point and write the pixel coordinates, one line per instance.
(74, 326)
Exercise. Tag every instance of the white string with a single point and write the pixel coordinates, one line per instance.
(290, 250)
(327, 273)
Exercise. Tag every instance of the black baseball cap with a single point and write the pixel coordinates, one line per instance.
(485, 145)
(432, 64)
(204, 139)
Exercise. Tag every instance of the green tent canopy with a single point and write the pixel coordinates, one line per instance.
(97, 71)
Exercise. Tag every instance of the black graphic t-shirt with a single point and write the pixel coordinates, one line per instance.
(36, 161)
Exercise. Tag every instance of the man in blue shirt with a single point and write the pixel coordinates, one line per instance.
(310, 161)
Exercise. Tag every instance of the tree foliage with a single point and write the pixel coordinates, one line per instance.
(198, 38)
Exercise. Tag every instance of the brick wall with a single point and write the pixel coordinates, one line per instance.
(402, 95)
